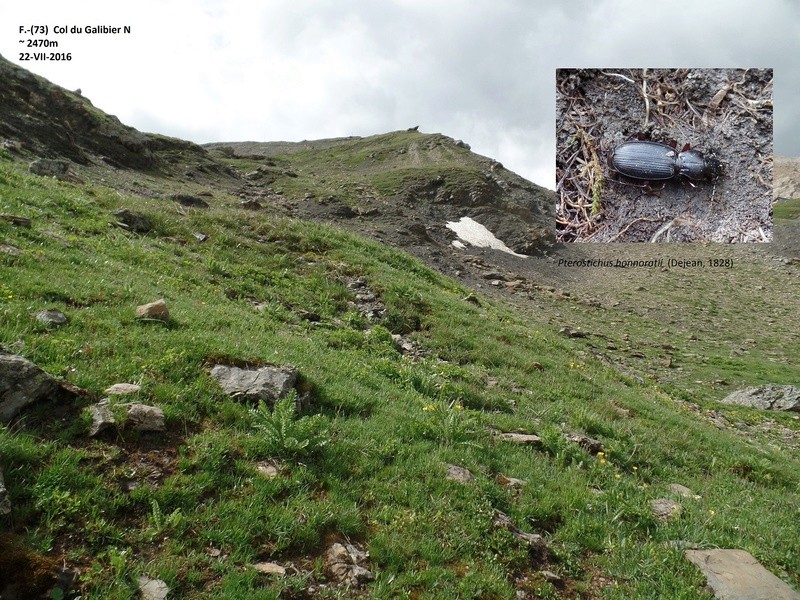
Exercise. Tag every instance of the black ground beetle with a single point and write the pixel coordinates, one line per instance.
(653, 161)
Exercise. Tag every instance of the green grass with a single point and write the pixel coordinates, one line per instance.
(158, 504)
(786, 210)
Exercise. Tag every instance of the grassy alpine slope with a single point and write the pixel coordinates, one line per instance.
(190, 507)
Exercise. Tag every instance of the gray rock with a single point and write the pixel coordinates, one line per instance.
(254, 385)
(267, 469)
(132, 220)
(49, 168)
(102, 417)
(510, 482)
(503, 521)
(51, 318)
(664, 509)
(17, 221)
(520, 438)
(189, 200)
(736, 575)
(767, 397)
(460, 474)
(342, 564)
(121, 389)
(270, 568)
(591, 445)
(145, 418)
(153, 310)
(22, 383)
(11, 250)
(251, 204)
(152, 589)
(682, 490)
(5, 503)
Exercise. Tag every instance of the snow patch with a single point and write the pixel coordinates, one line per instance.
(476, 234)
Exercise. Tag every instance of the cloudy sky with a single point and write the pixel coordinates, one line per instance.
(477, 70)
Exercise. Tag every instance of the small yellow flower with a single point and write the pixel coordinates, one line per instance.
(635, 468)
(711, 512)
(645, 485)
(428, 408)
(601, 454)
(617, 476)
(602, 461)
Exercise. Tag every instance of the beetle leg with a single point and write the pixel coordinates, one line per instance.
(651, 191)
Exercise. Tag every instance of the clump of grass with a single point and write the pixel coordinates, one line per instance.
(284, 434)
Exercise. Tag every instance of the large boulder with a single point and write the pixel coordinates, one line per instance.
(767, 397)
(22, 383)
(266, 384)
(736, 575)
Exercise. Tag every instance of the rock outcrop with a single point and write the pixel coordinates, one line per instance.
(266, 384)
(22, 383)
(767, 397)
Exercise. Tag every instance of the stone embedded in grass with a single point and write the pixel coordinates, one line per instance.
(153, 310)
(682, 490)
(664, 509)
(189, 200)
(591, 445)
(534, 540)
(520, 438)
(460, 474)
(267, 469)
(47, 167)
(266, 384)
(121, 389)
(152, 589)
(141, 417)
(343, 565)
(269, 568)
(736, 575)
(22, 383)
(132, 221)
(767, 397)
(51, 318)
(102, 417)
(250, 204)
(17, 221)
(510, 482)
(10, 250)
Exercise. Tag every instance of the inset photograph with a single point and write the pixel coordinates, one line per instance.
(664, 155)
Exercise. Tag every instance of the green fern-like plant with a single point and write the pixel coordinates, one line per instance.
(286, 435)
